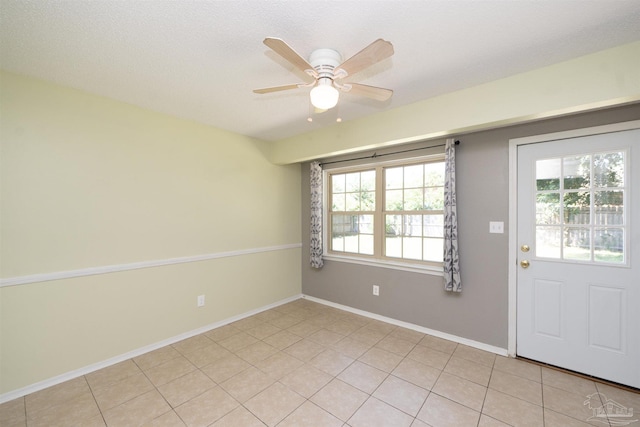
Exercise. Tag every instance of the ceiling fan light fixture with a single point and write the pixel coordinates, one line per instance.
(324, 96)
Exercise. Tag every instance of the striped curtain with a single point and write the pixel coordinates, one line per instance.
(316, 216)
(452, 281)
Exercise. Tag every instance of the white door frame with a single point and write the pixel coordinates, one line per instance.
(513, 206)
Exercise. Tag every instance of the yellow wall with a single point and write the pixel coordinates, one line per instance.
(89, 182)
(602, 79)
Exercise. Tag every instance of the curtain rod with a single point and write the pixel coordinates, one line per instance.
(376, 155)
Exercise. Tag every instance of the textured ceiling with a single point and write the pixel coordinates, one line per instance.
(200, 60)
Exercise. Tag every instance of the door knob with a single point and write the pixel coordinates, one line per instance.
(524, 263)
(525, 248)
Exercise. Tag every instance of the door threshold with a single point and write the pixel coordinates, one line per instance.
(581, 375)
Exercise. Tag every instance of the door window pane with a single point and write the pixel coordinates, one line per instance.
(548, 242)
(609, 245)
(576, 172)
(548, 174)
(577, 244)
(548, 208)
(577, 207)
(608, 170)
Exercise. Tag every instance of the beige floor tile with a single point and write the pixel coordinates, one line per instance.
(441, 412)
(263, 331)
(368, 335)
(554, 419)
(363, 376)
(118, 393)
(511, 410)
(156, 357)
(239, 417)
(247, 384)
(566, 403)
(304, 328)
(57, 395)
(207, 408)
(13, 412)
(112, 374)
(192, 344)
(339, 399)
(308, 415)
(247, 323)
(568, 382)
(238, 341)
(381, 359)
(395, 345)
(254, 353)
(486, 421)
(306, 380)
(325, 337)
(169, 419)
(225, 368)
(138, 411)
(468, 370)
(622, 397)
(342, 327)
(439, 344)
(417, 373)
(460, 390)
(185, 388)
(378, 325)
(207, 355)
(516, 386)
(305, 350)
(285, 321)
(475, 355)
(401, 394)
(274, 404)
(518, 367)
(282, 339)
(410, 335)
(331, 362)
(169, 371)
(351, 347)
(429, 356)
(279, 365)
(77, 411)
(222, 333)
(419, 423)
(375, 413)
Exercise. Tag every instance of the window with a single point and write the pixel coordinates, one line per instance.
(389, 212)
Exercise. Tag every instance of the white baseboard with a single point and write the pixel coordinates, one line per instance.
(454, 338)
(134, 353)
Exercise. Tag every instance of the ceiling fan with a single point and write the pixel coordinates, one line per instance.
(326, 72)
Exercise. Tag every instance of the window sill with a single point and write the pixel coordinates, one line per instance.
(413, 268)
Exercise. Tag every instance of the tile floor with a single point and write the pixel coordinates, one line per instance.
(306, 364)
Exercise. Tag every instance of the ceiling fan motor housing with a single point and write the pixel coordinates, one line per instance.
(324, 61)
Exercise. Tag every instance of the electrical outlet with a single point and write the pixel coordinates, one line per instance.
(200, 300)
(376, 290)
(496, 227)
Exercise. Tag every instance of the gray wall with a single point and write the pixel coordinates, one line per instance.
(480, 312)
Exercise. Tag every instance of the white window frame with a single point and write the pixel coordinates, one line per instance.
(431, 268)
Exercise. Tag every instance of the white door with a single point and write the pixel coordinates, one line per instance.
(578, 237)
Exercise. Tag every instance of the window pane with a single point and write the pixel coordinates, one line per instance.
(609, 207)
(577, 207)
(577, 244)
(608, 170)
(353, 202)
(434, 198)
(368, 200)
(609, 245)
(353, 181)
(393, 200)
(548, 208)
(412, 225)
(338, 202)
(548, 242)
(365, 224)
(413, 176)
(548, 174)
(434, 174)
(393, 178)
(577, 172)
(393, 247)
(412, 248)
(413, 199)
(368, 181)
(433, 225)
(366, 244)
(337, 183)
(433, 250)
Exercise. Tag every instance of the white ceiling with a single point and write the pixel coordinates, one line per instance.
(200, 60)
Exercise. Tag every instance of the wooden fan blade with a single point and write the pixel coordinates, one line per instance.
(373, 92)
(375, 52)
(283, 49)
(276, 88)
